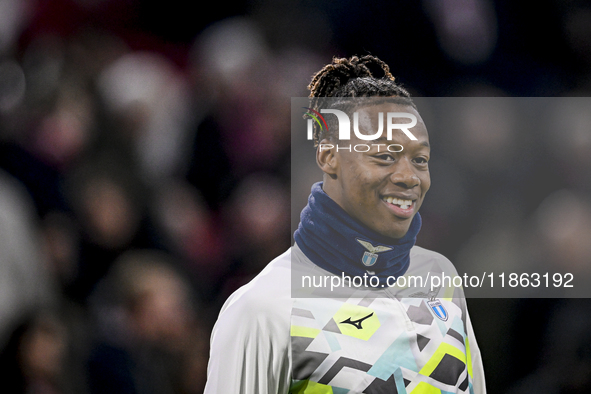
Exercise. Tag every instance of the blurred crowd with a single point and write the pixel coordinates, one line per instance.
(145, 174)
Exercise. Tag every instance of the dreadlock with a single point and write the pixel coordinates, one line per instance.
(352, 78)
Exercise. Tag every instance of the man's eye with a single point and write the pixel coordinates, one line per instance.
(385, 157)
(421, 160)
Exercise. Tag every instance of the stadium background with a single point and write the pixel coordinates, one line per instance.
(145, 161)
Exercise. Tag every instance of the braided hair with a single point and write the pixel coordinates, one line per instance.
(352, 78)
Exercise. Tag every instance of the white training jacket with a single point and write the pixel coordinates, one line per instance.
(392, 340)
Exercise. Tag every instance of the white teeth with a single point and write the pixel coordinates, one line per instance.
(404, 204)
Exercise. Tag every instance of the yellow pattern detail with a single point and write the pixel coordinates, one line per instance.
(309, 387)
(469, 356)
(425, 388)
(441, 351)
(307, 332)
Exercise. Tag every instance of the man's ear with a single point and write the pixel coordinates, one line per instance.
(326, 158)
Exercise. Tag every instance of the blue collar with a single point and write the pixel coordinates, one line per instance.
(335, 241)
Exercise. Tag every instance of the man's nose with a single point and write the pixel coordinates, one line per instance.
(404, 175)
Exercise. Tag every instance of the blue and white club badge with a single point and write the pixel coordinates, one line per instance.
(438, 309)
(371, 256)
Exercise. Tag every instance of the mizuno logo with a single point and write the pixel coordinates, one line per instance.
(357, 323)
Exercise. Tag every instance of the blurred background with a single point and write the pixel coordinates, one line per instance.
(145, 173)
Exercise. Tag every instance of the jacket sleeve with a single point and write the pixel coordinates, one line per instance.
(250, 343)
(478, 380)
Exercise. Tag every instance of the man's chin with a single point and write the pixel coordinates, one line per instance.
(400, 230)
(396, 234)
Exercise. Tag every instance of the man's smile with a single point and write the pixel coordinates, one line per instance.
(403, 208)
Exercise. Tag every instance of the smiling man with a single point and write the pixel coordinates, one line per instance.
(350, 308)
(366, 184)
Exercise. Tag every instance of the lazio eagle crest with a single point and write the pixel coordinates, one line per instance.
(371, 256)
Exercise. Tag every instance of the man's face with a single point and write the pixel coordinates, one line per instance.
(382, 190)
